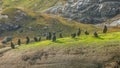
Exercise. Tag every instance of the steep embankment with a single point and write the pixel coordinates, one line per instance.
(81, 52)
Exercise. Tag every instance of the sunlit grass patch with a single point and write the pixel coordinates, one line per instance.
(90, 40)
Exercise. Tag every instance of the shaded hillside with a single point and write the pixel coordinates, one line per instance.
(24, 22)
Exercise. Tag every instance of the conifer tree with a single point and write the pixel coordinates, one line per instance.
(95, 34)
(27, 40)
(12, 45)
(86, 32)
(54, 37)
(105, 29)
(49, 36)
(79, 32)
(19, 42)
(73, 35)
(60, 35)
(35, 39)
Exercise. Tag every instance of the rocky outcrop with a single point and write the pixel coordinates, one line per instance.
(8, 27)
(115, 23)
(6, 39)
(87, 11)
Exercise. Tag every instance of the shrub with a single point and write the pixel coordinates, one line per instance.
(19, 42)
(95, 34)
(12, 45)
(49, 36)
(35, 39)
(79, 32)
(86, 32)
(27, 40)
(73, 35)
(60, 35)
(54, 37)
(105, 29)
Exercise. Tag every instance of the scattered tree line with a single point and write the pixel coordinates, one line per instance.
(52, 36)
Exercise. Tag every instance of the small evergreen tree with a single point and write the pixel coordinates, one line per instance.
(60, 35)
(12, 45)
(54, 37)
(19, 42)
(79, 32)
(105, 29)
(27, 40)
(73, 35)
(39, 39)
(86, 32)
(95, 34)
(35, 39)
(49, 36)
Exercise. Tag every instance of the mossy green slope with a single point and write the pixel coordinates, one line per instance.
(103, 40)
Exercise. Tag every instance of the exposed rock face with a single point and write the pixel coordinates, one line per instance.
(8, 27)
(115, 23)
(6, 39)
(87, 11)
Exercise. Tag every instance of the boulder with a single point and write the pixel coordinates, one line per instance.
(7, 39)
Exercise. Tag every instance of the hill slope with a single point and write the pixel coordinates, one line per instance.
(36, 5)
(24, 22)
(87, 11)
(82, 11)
(66, 52)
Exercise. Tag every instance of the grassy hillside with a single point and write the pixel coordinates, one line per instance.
(37, 24)
(36, 5)
(83, 51)
(83, 40)
(39, 21)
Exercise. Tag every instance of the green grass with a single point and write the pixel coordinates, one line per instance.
(104, 39)
(55, 23)
(36, 5)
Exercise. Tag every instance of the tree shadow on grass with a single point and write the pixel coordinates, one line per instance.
(58, 41)
(99, 38)
(76, 39)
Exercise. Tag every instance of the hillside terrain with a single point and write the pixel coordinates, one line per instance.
(87, 11)
(36, 5)
(23, 21)
(23, 17)
(20, 17)
(36, 18)
(84, 51)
